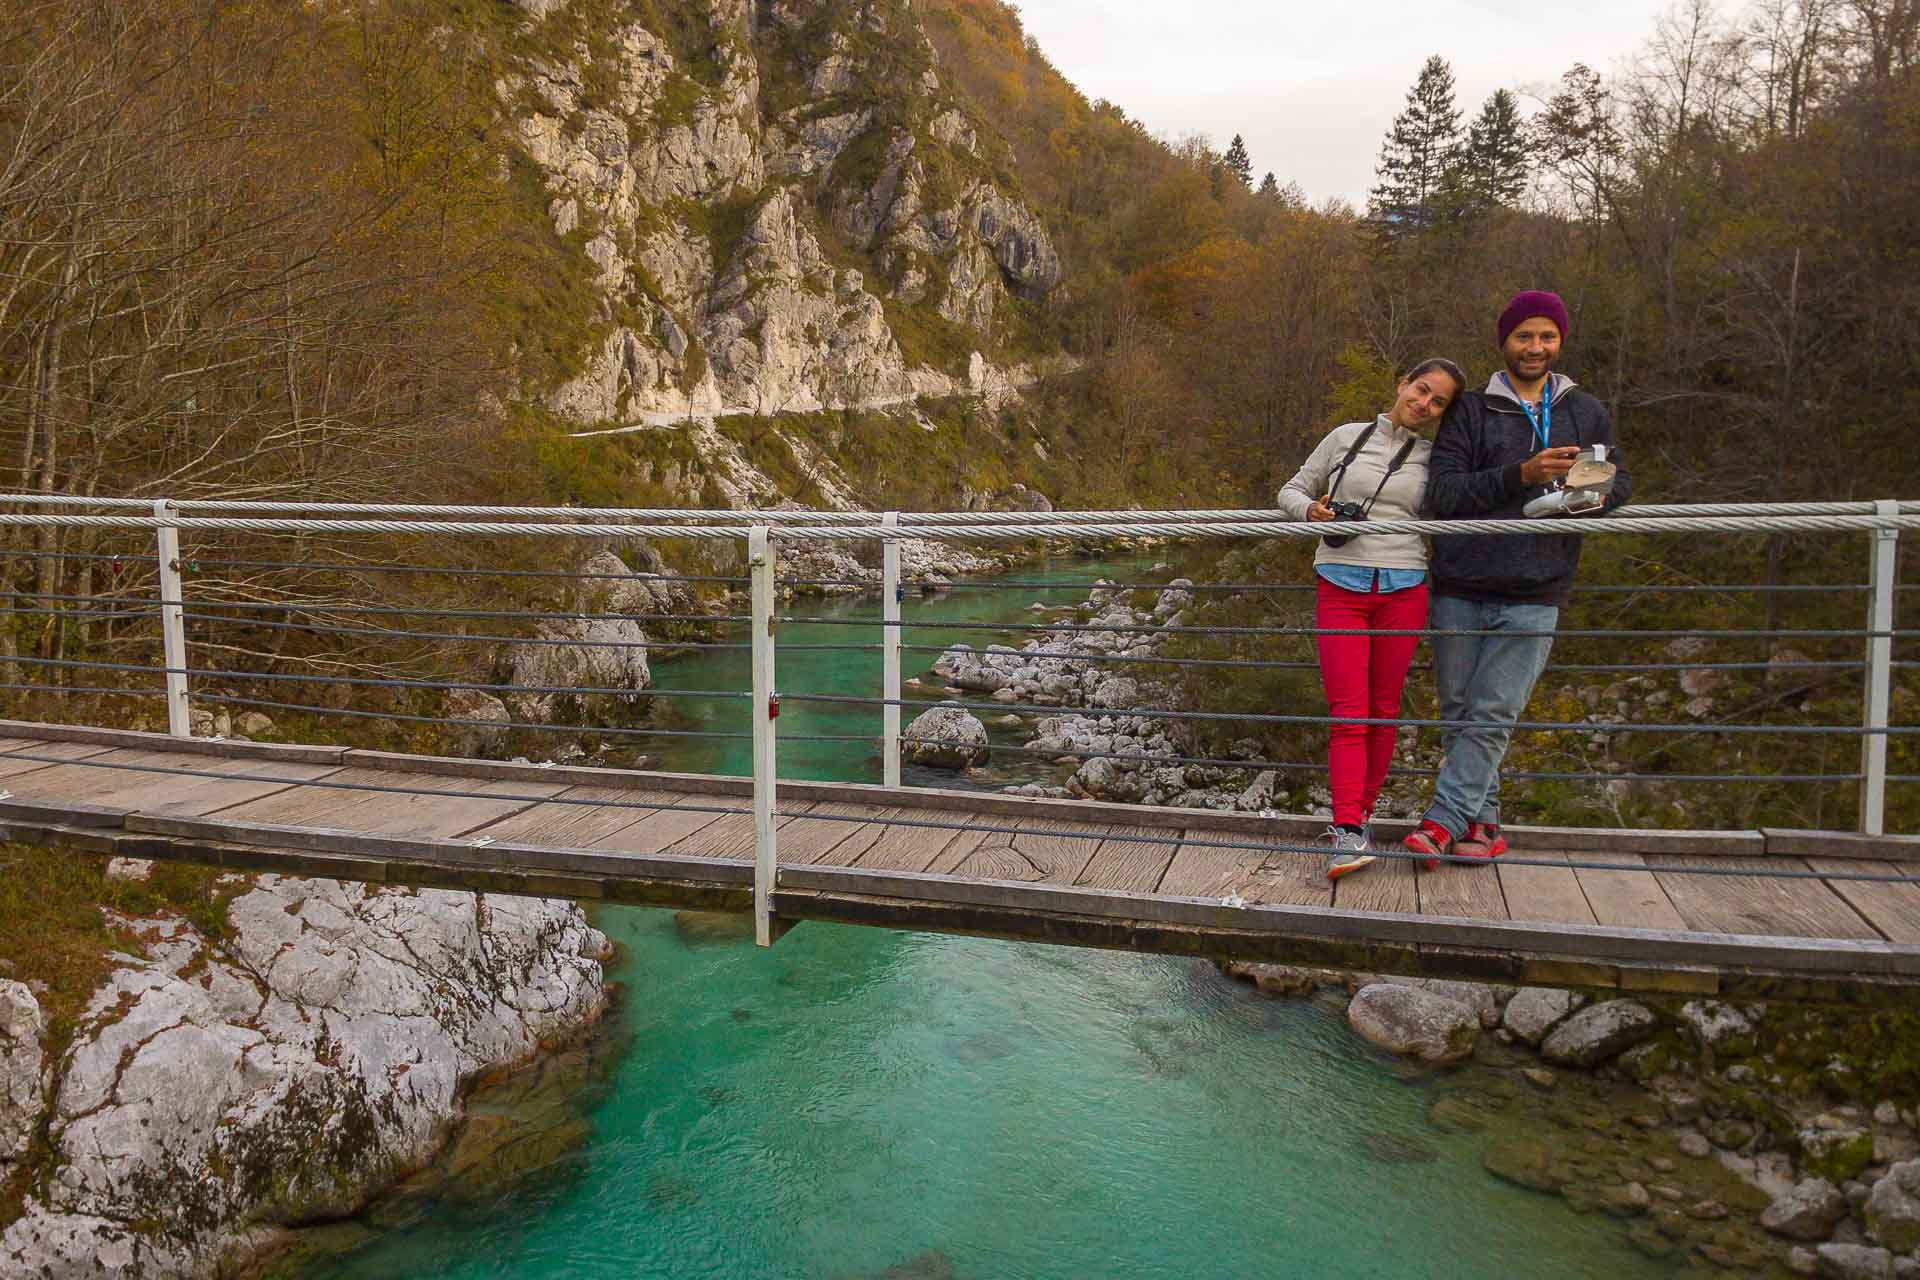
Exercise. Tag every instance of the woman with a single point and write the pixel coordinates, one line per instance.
(1376, 471)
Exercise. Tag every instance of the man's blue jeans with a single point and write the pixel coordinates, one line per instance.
(1484, 683)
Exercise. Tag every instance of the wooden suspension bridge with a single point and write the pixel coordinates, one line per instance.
(1751, 914)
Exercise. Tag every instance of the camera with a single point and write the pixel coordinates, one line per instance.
(1345, 511)
(1581, 491)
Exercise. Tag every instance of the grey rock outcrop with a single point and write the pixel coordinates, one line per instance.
(1534, 1011)
(1893, 1207)
(606, 654)
(690, 188)
(1598, 1032)
(1809, 1211)
(1854, 1262)
(281, 1079)
(23, 1069)
(1413, 1022)
(951, 739)
(482, 722)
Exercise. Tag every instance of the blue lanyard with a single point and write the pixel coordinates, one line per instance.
(1543, 421)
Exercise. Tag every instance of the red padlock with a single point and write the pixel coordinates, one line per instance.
(773, 706)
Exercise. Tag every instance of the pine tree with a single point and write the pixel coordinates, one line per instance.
(1492, 169)
(1420, 152)
(1269, 185)
(1239, 162)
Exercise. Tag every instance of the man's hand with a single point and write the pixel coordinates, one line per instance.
(1319, 512)
(1549, 465)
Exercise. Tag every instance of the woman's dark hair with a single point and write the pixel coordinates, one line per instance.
(1445, 366)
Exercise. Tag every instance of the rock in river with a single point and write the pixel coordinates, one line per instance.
(1809, 1211)
(1598, 1032)
(1419, 1024)
(949, 738)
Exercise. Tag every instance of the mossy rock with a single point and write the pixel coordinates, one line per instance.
(1838, 1155)
(1528, 1162)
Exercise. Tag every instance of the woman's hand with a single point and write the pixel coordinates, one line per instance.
(1320, 512)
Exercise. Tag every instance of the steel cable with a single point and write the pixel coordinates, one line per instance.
(1149, 713)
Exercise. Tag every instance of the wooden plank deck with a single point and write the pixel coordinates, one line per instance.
(1171, 881)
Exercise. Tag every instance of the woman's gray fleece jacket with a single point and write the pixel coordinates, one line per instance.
(1401, 499)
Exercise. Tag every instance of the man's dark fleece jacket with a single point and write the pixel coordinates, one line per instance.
(1475, 473)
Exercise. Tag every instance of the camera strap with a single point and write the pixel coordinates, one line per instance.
(1399, 460)
(1339, 471)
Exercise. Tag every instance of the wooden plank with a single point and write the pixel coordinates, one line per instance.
(1627, 899)
(64, 812)
(1666, 949)
(573, 824)
(1288, 875)
(1049, 857)
(1840, 844)
(1135, 865)
(728, 836)
(568, 774)
(1203, 871)
(1466, 890)
(1756, 904)
(136, 780)
(1025, 809)
(920, 848)
(832, 834)
(143, 741)
(603, 864)
(1387, 885)
(1544, 893)
(446, 809)
(664, 827)
(47, 755)
(1893, 909)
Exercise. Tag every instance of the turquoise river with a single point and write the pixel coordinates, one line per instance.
(859, 1103)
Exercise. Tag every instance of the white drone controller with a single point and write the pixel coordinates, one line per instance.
(1581, 491)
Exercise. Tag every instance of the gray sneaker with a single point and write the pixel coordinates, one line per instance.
(1352, 850)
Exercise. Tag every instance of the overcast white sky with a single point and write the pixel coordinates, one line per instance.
(1313, 84)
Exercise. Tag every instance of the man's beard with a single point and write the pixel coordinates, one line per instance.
(1513, 370)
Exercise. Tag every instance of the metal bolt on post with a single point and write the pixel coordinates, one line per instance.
(891, 592)
(766, 707)
(1883, 570)
(173, 626)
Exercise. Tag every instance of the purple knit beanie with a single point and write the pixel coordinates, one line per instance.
(1528, 304)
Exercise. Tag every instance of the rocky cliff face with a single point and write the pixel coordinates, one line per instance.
(214, 1096)
(767, 193)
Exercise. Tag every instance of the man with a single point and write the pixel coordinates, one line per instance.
(1495, 451)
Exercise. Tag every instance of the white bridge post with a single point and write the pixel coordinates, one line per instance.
(1883, 573)
(173, 628)
(891, 592)
(766, 708)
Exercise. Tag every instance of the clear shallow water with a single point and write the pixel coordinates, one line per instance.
(859, 1103)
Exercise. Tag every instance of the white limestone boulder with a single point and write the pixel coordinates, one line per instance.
(945, 738)
(287, 1075)
(23, 1069)
(1414, 1023)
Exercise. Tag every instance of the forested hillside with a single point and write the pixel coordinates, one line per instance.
(276, 249)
